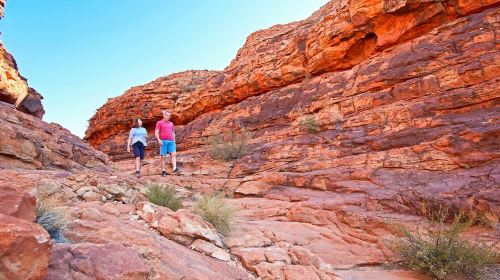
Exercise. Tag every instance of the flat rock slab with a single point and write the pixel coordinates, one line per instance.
(381, 275)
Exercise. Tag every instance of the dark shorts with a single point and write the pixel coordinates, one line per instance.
(138, 148)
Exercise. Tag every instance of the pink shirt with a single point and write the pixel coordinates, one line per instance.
(166, 130)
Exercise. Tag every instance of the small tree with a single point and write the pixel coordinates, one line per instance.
(229, 145)
(309, 124)
(441, 253)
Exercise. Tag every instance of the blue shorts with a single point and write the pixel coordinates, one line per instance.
(138, 149)
(168, 146)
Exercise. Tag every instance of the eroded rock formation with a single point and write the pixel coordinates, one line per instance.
(361, 117)
(114, 119)
(26, 141)
(401, 102)
(339, 36)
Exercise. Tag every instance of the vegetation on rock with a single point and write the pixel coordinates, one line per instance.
(215, 209)
(164, 195)
(309, 124)
(441, 252)
(230, 145)
(52, 216)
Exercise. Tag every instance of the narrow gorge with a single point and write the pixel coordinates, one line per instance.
(357, 120)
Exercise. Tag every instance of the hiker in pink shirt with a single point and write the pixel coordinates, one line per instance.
(165, 135)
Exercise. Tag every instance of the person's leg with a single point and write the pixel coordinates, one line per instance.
(137, 164)
(137, 154)
(163, 163)
(174, 160)
(172, 150)
(163, 155)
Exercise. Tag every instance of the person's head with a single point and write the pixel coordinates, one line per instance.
(137, 123)
(166, 114)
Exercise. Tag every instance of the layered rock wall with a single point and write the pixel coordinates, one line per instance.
(28, 142)
(365, 115)
(411, 92)
(424, 110)
(114, 120)
(339, 36)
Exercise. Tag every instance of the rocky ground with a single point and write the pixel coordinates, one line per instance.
(355, 120)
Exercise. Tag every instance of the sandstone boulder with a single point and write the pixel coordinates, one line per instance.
(181, 226)
(13, 87)
(107, 223)
(24, 249)
(110, 261)
(17, 202)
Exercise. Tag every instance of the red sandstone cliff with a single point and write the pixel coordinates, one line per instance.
(405, 95)
(340, 35)
(114, 119)
(405, 99)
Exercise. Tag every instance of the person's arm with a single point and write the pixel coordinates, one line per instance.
(146, 136)
(157, 134)
(129, 140)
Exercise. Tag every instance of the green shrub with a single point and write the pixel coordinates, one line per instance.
(229, 146)
(163, 195)
(188, 88)
(309, 124)
(52, 216)
(441, 253)
(215, 209)
(438, 212)
(307, 77)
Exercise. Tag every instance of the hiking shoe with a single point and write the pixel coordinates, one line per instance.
(164, 173)
(176, 171)
(138, 174)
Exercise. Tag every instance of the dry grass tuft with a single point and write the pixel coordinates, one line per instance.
(309, 124)
(164, 195)
(216, 209)
(52, 216)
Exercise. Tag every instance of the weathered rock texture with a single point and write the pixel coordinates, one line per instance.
(339, 36)
(28, 142)
(114, 119)
(109, 234)
(402, 99)
(24, 249)
(13, 85)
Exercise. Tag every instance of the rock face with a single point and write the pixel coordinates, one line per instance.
(24, 249)
(339, 36)
(17, 202)
(364, 115)
(145, 102)
(181, 225)
(150, 255)
(28, 142)
(396, 90)
(110, 261)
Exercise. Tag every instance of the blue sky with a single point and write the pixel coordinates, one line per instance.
(79, 53)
